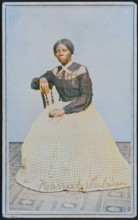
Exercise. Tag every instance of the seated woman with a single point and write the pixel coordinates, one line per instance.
(69, 146)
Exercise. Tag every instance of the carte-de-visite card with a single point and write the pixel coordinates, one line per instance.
(69, 109)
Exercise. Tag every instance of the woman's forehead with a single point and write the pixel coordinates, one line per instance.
(61, 46)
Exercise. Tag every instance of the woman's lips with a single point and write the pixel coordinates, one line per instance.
(61, 58)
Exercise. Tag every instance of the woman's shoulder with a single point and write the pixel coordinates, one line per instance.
(75, 67)
(80, 69)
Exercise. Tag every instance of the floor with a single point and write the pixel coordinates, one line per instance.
(101, 202)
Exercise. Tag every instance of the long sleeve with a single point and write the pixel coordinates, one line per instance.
(47, 75)
(35, 83)
(73, 84)
(83, 101)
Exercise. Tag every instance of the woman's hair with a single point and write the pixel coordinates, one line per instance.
(66, 42)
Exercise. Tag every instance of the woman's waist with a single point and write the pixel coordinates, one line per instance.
(68, 99)
(58, 104)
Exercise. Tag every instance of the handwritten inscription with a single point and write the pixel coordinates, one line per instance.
(94, 183)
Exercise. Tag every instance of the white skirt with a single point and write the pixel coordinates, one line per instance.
(73, 152)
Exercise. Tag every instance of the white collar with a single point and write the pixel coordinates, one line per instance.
(68, 64)
(65, 67)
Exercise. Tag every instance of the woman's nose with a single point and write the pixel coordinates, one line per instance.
(60, 53)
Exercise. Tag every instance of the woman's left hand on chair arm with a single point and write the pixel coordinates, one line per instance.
(35, 84)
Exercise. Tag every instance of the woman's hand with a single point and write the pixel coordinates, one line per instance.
(44, 87)
(56, 112)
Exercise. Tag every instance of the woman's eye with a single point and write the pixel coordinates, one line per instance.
(58, 51)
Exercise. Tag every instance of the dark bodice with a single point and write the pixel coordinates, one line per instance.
(72, 83)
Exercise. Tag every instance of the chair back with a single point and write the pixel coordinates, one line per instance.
(46, 97)
(46, 100)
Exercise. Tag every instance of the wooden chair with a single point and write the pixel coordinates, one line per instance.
(35, 85)
(46, 100)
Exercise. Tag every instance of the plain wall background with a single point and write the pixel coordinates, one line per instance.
(103, 40)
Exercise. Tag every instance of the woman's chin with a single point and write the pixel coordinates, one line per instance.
(62, 61)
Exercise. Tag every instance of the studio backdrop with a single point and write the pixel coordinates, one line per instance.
(103, 40)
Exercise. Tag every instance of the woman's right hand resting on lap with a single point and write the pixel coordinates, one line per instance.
(44, 86)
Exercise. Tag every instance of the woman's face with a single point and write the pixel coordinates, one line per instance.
(63, 54)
